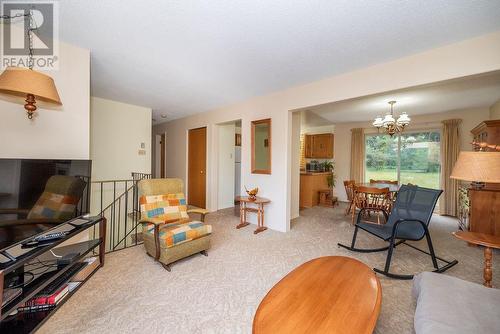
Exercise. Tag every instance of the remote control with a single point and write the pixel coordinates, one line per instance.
(50, 237)
(43, 239)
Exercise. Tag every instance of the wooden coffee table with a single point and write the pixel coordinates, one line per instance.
(332, 294)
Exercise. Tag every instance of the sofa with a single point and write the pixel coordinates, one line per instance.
(449, 305)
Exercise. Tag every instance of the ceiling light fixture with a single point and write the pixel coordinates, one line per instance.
(390, 124)
(26, 82)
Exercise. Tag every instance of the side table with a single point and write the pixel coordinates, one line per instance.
(259, 202)
(488, 241)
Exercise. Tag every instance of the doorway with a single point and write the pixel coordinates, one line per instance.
(228, 163)
(197, 160)
(160, 156)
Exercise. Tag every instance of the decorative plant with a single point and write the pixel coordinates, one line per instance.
(330, 178)
(328, 166)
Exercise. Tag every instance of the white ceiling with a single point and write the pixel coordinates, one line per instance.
(470, 92)
(189, 56)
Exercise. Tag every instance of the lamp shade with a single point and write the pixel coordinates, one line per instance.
(388, 120)
(403, 120)
(21, 81)
(378, 122)
(477, 167)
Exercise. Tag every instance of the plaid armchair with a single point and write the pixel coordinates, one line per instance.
(168, 232)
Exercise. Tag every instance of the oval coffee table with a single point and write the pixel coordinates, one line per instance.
(332, 294)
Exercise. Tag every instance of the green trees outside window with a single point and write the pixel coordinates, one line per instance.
(412, 157)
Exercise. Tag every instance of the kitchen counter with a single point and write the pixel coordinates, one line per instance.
(314, 173)
(310, 185)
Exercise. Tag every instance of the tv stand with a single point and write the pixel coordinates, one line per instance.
(29, 260)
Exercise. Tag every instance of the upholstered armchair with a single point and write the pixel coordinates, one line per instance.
(168, 232)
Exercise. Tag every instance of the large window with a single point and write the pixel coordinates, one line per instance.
(409, 158)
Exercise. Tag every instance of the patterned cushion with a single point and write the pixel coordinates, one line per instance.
(163, 207)
(52, 205)
(175, 234)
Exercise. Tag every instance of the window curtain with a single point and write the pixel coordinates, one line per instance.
(357, 155)
(450, 149)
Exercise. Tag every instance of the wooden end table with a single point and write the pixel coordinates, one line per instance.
(259, 202)
(488, 241)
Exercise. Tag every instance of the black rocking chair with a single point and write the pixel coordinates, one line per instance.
(409, 220)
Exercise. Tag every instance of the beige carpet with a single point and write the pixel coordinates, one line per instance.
(220, 293)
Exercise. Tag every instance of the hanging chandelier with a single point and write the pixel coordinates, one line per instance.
(390, 124)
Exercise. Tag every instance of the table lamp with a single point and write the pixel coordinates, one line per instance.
(478, 168)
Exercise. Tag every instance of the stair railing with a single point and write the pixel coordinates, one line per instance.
(118, 202)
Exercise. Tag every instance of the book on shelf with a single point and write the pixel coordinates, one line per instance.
(51, 298)
(35, 308)
(42, 302)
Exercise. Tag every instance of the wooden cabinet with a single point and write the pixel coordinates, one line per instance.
(487, 131)
(310, 185)
(484, 211)
(319, 146)
(480, 211)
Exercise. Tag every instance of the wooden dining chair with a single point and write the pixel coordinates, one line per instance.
(349, 190)
(372, 200)
(393, 195)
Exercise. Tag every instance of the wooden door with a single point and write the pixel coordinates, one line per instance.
(162, 155)
(197, 156)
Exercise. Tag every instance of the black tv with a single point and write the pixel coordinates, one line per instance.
(36, 195)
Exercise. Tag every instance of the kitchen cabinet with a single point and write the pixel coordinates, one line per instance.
(310, 185)
(319, 146)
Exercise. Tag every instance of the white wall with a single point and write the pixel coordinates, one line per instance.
(495, 111)
(295, 167)
(477, 55)
(117, 131)
(470, 118)
(225, 164)
(58, 132)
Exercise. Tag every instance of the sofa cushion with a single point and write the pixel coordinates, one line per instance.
(163, 207)
(448, 304)
(175, 234)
